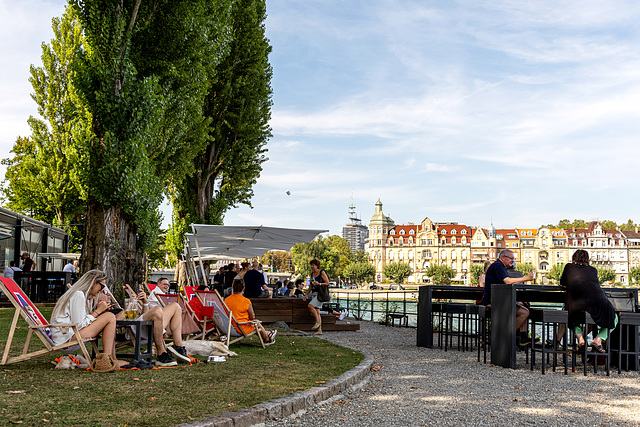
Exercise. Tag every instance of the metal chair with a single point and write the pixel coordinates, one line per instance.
(484, 330)
(586, 354)
(628, 340)
(549, 322)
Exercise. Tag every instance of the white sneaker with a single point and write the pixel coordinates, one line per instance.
(342, 315)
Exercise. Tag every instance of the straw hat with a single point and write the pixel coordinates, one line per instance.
(104, 362)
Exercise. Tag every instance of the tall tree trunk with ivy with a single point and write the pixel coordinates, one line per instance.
(238, 104)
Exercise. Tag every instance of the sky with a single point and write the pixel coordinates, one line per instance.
(506, 112)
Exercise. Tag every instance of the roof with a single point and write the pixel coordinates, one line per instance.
(244, 241)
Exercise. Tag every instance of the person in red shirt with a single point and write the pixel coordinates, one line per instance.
(243, 312)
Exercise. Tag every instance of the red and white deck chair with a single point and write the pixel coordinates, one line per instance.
(225, 320)
(39, 326)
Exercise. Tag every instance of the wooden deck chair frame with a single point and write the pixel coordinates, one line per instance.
(225, 320)
(39, 326)
(208, 329)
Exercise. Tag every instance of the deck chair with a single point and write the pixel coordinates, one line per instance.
(39, 326)
(208, 328)
(224, 319)
(190, 292)
(189, 325)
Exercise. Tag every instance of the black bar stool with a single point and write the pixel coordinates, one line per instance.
(588, 321)
(455, 313)
(628, 339)
(484, 330)
(549, 321)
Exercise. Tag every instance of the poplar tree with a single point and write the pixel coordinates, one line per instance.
(238, 103)
(41, 178)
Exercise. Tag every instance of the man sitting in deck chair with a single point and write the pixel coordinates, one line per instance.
(171, 316)
(243, 311)
(162, 287)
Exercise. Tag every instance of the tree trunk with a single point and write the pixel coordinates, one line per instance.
(110, 245)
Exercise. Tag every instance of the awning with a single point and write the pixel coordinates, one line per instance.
(225, 241)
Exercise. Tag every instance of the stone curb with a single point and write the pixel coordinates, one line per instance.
(291, 404)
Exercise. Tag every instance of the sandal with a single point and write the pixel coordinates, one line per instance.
(598, 348)
(316, 326)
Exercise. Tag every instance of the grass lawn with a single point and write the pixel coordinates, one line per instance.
(160, 397)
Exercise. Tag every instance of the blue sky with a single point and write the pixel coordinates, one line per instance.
(523, 113)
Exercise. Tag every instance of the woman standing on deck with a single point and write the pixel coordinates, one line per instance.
(318, 278)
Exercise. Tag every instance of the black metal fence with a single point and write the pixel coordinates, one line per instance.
(389, 307)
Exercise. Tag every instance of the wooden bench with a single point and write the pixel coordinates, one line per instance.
(294, 312)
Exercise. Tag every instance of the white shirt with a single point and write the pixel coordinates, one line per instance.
(76, 311)
(153, 299)
(10, 271)
(69, 268)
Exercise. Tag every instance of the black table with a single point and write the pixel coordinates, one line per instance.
(136, 327)
(503, 317)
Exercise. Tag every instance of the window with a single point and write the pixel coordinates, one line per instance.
(499, 236)
(444, 240)
(443, 231)
(391, 255)
(412, 231)
(402, 232)
(444, 254)
(453, 240)
(430, 242)
(514, 245)
(464, 240)
(464, 231)
(379, 229)
(454, 265)
(392, 232)
(453, 231)
(423, 242)
(379, 242)
(529, 233)
(400, 255)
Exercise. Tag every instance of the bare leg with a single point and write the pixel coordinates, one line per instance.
(155, 315)
(105, 323)
(522, 314)
(263, 333)
(172, 315)
(316, 313)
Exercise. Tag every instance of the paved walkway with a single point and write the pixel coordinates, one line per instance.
(417, 386)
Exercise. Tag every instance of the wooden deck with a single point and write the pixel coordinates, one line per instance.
(294, 311)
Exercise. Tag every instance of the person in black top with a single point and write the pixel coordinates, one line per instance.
(254, 286)
(29, 264)
(584, 294)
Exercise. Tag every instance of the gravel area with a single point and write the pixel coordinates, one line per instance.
(418, 386)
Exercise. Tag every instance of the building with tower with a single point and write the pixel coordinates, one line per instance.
(354, 232)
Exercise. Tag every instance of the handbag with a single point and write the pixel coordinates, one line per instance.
(104, 362)
(621, 301)
(323, 294)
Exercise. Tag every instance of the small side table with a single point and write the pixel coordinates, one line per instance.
(403, 319)
(136, 327)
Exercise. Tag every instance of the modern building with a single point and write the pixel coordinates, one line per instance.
(354, 232)
(20, 233)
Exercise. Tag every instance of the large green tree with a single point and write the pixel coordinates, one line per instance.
(606, 274)
(634, 274)
(397, 272)
(238, 104)
(143, 77)
(555, 273)
(476, 271)
(360, 272)
(41, 178)
(441, 274)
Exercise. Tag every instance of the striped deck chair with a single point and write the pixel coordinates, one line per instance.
(193, 306)
(224, 319)
(39, 326)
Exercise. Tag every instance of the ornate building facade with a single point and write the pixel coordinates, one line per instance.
(459, 246)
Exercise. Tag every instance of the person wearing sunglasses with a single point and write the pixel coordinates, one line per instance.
(497, 274)
(82, 305)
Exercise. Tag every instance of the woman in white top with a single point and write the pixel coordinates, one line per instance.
(81, 305)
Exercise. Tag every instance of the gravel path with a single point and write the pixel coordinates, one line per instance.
(418, 386)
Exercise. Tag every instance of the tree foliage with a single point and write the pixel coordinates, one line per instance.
(524, 267)
(360, 272)
(634, 274)
(277, 261)
(238, 107)
(397, 272)
(606, 224)
(332, 252)
(555, 273)
(606, 274)
(441, 274)
(42, 176)
(476, 271)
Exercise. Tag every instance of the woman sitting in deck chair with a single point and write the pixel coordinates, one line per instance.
(80, 305)
(243, 311)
